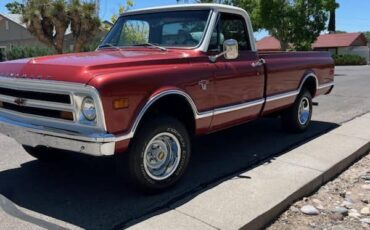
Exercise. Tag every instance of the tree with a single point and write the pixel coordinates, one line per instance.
(367, 34)
(48, 20)
(84, 22)
(296, 22)
(308, 20)
(15, 7)
(332, 5)
(132, 32)
(123, 8)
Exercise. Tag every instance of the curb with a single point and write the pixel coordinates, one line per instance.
(272, 188)
(268, 217)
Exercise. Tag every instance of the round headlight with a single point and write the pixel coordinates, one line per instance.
(88, 109)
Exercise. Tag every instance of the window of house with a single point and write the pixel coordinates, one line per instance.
(6, 25)
(230, 26)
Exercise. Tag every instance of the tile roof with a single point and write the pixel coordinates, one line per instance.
(340, 40)
(268, 43)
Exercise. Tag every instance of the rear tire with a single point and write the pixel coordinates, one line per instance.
(43, 153)
(297, 118)
(159, 154)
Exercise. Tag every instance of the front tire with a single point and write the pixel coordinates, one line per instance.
(297, 118)
(159, 154)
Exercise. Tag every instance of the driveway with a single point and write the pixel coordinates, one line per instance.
(84, 192)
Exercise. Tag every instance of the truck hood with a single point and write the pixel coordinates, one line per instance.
(82, 67)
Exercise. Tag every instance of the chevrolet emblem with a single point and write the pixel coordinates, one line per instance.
(20, 101)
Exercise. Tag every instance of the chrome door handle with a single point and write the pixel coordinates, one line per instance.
(258, 63)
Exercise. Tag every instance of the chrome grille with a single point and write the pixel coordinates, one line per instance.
(52, 97)
(52, 104)
(35, 103)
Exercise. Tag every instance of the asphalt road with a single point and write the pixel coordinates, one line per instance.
(84, 192)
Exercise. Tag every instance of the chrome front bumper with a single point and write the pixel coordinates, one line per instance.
(31, 135)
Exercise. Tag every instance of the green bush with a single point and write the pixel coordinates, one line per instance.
(349, 59)
(19, 52)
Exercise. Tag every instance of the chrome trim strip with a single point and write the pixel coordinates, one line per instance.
(90, 137)
(296, 92)
(216, 111)
(306, 77)
(282, 96)
(34, 136)
(326, 85)
(197, 115)
(152, 100)
(39, 104)
(238, 107)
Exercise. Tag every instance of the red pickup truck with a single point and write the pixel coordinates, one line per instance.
(160, 77)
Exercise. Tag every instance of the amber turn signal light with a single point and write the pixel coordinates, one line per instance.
(66, 116)
(121, 103)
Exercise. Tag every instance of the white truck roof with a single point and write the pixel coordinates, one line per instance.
(215, 7)
(179, 7)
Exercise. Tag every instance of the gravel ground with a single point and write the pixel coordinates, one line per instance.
(341, 204)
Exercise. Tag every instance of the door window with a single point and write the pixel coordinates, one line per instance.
(230, 26)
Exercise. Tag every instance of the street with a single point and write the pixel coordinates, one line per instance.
(84, 192)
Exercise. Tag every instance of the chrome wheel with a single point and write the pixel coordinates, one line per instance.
(162, 156)
(304, 111)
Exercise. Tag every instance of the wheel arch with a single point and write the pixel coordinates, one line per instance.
(309, 82)
(185, 111)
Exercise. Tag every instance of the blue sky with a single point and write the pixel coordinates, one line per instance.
(352, 16)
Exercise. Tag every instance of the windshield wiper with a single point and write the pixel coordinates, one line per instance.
(108, 45)
(152, 45)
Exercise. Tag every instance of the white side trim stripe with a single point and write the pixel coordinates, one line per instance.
(217, 111)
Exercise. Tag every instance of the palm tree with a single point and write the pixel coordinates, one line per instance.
(332, 5)
(332, 23)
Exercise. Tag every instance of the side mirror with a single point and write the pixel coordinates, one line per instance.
(231, 51)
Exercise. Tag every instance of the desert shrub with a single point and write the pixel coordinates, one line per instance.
(349, 59)
(18, 52)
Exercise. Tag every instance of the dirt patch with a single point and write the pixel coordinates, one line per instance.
(343, 203)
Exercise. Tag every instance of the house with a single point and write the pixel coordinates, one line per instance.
(13, 32)
(268, 43)
(346, 43)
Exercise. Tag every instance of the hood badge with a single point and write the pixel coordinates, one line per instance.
(25, 76)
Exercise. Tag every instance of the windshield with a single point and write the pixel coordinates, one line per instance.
(167, 29)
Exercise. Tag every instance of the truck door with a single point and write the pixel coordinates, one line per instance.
(239, 83)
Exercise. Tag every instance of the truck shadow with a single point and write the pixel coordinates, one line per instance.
(83, 191)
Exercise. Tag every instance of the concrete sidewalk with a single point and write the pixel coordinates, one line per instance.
(256, 197)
